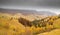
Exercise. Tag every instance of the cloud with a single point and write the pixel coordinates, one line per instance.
(54, 10)
(50, 3)
(57, 11)
(32, 5)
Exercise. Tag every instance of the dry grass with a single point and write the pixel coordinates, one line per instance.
(9, 25)
(53, 32)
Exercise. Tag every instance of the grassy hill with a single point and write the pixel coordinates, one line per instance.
(21, 25)
(53, 32)
(10, 25)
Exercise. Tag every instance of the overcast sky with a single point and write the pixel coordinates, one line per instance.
(38, 5)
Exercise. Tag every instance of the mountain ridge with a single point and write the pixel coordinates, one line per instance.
(27, 12)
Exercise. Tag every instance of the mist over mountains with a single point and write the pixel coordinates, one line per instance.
(27, 12)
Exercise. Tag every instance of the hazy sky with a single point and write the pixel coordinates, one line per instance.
(38, 5)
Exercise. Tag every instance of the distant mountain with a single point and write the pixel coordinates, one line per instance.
(27, 12)
(46, 13)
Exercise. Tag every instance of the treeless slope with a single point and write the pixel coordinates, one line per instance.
(10, 26)
(57, 23)
(53, 32)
